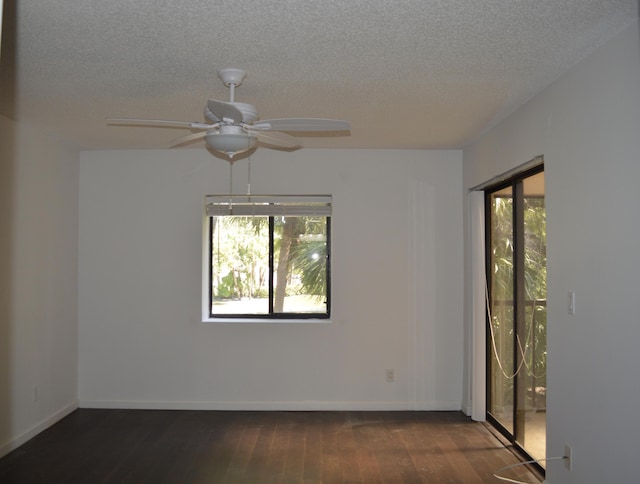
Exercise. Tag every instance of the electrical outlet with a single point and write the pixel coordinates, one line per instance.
(390, 375)
(568, 457)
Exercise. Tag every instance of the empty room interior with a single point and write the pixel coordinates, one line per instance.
(463, 179)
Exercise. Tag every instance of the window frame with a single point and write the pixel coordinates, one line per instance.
(207, 257)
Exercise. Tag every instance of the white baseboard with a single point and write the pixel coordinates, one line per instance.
(270, 406)
(466, 409)
(436, 406)
(34, 430)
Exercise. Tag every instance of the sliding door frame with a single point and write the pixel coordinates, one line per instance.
(516, 182)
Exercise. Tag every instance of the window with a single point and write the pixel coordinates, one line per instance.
(268, 257)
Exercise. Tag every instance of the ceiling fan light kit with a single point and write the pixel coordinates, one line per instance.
(230, 140)
(235, 127)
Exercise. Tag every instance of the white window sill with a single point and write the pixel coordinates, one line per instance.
(266, 321)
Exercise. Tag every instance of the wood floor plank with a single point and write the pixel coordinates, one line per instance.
(238, 468)
(293, 470)
(331, 463)
(426, 453)
(258, 464)
(198, 447)
(312, 473)
(278, 450)
(367, 460)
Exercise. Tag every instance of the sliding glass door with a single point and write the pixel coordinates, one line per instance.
(517, 313)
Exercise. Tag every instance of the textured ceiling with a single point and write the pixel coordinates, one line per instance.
(407, 74)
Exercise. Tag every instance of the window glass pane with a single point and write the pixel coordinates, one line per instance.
(534, 377)
(300, 265)
(240, 265)
(502, 307)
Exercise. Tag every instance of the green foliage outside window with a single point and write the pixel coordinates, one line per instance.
(535, 287)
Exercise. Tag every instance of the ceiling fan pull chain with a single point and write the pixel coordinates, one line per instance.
(249, 177)
(230, 184)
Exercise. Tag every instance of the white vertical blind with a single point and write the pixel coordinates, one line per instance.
(478, 307)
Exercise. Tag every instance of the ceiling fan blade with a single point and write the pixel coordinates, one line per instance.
(275, 138)
(226, 112)
(190, 138)
(303, 124)
(159, 122)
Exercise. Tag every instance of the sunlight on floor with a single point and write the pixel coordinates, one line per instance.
(536, 435)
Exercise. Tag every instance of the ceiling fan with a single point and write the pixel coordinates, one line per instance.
(234, 128)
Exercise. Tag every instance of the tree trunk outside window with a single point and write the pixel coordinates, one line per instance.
(293, 226)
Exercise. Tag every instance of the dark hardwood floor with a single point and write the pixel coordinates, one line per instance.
(187, 447)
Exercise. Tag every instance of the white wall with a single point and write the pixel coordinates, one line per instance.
(396, 274)
(587, 126)
(38, 282)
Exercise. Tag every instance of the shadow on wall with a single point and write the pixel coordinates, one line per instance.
(7, 188)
